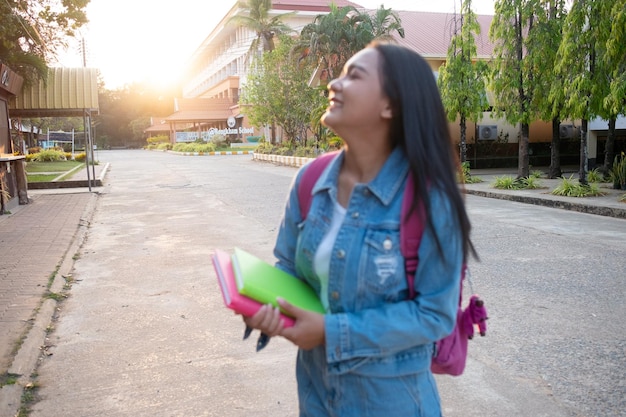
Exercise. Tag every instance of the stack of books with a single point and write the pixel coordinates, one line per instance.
(248, 282)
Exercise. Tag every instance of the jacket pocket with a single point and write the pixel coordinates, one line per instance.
(381, 269)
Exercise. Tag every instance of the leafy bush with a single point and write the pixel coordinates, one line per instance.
(219, 141)
(163, 146)
(508, 182)
(264, 148)
(531, 183)
(183, 147)
(572, 188)
(155, 140)
(465, 176)
(595, 176)
(536, 174)
(50, 155)
(194, 147)
(80, 157)
(505, 182)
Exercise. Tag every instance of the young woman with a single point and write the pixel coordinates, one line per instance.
(370, 354)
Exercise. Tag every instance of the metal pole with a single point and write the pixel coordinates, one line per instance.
(86, 149)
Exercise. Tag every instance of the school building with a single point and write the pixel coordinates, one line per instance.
(218, 69)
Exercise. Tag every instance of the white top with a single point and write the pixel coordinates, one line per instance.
(321, 261)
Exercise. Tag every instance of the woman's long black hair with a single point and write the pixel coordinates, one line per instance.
(420, 127)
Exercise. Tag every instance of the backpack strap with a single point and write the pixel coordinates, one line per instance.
(309, 177)
(411, 231)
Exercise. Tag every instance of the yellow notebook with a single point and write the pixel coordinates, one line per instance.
(263, 282)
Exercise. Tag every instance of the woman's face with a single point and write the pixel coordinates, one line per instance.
(356, 97)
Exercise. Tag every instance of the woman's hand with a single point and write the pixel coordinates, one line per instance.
(267, 320)
(308, 332)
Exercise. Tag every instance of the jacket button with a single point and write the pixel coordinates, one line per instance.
(341, 254)
(335, 295)
(355, 215)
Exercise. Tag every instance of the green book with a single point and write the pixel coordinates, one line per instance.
(264, 282)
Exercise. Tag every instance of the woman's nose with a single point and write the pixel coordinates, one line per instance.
(334, 84)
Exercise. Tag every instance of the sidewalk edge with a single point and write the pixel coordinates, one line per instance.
(26, 360)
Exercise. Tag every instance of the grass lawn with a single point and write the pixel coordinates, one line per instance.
(60, 166)
(41, 178)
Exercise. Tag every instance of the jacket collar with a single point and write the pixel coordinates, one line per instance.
(384, 186)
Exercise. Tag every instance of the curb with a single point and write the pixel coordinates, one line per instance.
(28, 356)
(565, 205)
(216, 153)
(293, 161)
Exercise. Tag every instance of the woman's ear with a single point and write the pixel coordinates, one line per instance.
(386, 112)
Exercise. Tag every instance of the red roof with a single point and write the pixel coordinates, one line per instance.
(310, 5)
(429, 34)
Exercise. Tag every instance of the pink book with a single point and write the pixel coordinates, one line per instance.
(232, 299)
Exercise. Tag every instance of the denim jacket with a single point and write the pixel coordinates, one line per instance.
(372, 328)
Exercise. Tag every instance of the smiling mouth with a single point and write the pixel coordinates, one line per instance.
(334, 103)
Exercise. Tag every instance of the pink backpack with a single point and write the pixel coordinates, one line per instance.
(450, 352)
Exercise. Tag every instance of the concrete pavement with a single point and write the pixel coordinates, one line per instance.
(40, 240)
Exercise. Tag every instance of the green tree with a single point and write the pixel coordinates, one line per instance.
(124, 112)
(546, 38)
(461, 80)
(33, 31)
(614, 103)
(512, 76)
(584, 62)
(277, 90)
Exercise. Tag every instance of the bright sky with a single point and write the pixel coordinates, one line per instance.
(146, 41)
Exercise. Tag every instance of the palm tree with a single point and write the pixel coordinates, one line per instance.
(259, 21)
(331, 39)
(383, 23)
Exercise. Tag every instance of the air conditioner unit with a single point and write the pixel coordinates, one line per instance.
(487, 132)
(567, 131)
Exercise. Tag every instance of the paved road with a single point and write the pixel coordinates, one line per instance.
(144, 333)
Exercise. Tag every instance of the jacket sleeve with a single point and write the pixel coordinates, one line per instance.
(287, 238)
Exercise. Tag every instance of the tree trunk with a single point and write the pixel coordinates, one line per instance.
(463, 144)
(582, 172)
(609, 148)
(524, 157)
(555, 150)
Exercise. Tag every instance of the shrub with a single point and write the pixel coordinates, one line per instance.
(162, 146)
(219, 141)
(505, 182)
(595, 176)
(155, 140)
(264, 148)
(465, 176)
(50, 155)
(531, 183)
(80, 157)
(572, 188)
